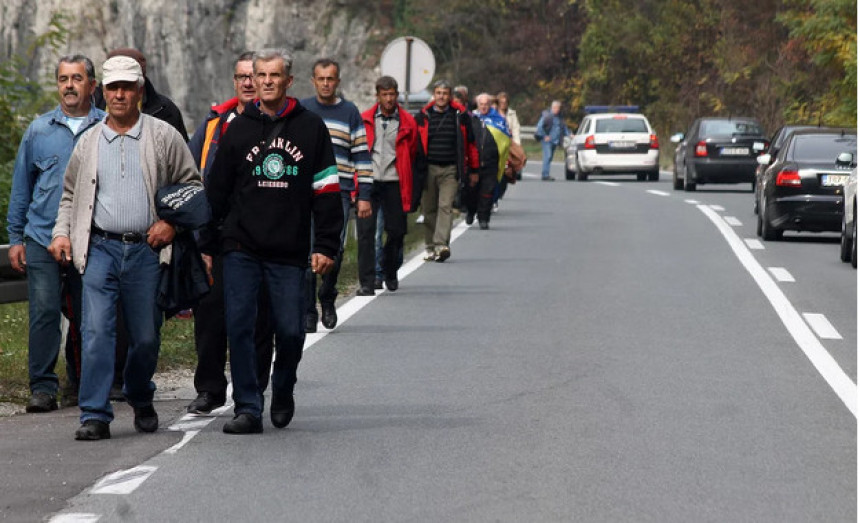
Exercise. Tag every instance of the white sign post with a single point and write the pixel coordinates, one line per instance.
(410, 61)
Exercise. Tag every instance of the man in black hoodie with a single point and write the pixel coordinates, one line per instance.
(274, 170)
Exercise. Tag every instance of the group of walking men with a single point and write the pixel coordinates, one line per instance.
(281, 178)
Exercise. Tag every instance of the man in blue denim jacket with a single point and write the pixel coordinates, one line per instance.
(37, 184)
(550, 130)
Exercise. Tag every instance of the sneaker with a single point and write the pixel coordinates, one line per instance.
(430, 256)
(243, 424)
(495, 207)
(420, 219)
(41, 402)
(443, 254)
(205, 403)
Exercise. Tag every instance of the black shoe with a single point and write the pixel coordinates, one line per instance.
(243, 424)
(392, 283)
(484, 225)
(282, 410)
(443, 254)
(145, 419)
(329, 315)
(377, 283)
(365, 291)
(41, 402)
(311, 323)
(470, 218)
(116, 393)
(92, 430)
(205, 403)
(69, 396)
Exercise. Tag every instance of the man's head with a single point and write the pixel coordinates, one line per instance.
(441, 94)
(272, 76)
(122, 78)
(555, 107)
(76, 80)
(386, 94)
(502, 101)
(132, 53)
(243, 78)
(463, 91)
(325, 78)
(483, 101)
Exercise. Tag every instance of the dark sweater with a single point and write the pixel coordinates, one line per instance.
(266, 191)
(442, 136)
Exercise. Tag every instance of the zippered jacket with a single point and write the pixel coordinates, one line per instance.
(405, 148)
(467, 153)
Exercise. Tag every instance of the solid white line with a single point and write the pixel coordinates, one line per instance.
(692, 202)
(821, 326)
(75, 518)
(734, 222)
(754, 244)
(718, 208)
(610, 184)
(781, 274)
(658, 193)
(841, 384)
(123, 481)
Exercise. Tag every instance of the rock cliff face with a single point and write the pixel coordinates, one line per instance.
(190, 45)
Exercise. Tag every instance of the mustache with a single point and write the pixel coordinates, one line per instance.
(70, 91)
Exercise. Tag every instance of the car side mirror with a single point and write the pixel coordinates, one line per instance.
(676, 138)
(763, 159)
(845, 159)
(567, 141)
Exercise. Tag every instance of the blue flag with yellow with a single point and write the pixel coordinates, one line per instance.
(498, 127)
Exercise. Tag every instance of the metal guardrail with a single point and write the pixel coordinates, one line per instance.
(528, 132)
(13, 285)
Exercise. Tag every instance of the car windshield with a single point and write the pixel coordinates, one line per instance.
(729, 128)
(822, 147)
(621, 125)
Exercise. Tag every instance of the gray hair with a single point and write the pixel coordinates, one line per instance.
(76, 59)
(266, 55)
(442, 84)
(247, 56)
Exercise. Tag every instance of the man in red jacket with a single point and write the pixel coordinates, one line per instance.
(392, 139)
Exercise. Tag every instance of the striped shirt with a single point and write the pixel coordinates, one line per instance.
(122, 203)
(442, 136)
(349, 141)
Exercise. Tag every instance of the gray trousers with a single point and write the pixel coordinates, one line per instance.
(437, 203)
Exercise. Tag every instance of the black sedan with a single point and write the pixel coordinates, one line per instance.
(803, 188)
(776, 142)
(718, 150)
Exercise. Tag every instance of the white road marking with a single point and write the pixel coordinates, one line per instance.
(692, 202)
(806, 340)
(781, 274)
(75, 518)
(734, 222)
(718, 208)
(754, 244)
(189, 434)
(123, 481)
(658, 193)
(821, 326)
(610, 184)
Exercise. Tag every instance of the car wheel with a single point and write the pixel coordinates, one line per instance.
(569, 175)
(677, 182)
(641, 177)
(768, 231)
(845, 247)
(654, 176)
(689, 184)
(581, 176)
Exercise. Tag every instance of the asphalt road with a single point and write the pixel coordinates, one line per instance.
(609, 350)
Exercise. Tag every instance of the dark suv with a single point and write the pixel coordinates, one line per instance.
(718, 150)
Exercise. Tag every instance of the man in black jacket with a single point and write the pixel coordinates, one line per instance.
(273, 172)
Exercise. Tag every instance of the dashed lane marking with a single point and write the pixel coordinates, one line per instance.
(781, 274)
(731, 220)
(718, 208)
(806, 340)
(822, 326)
(75, 518)
(123, 481)
(610, 184)
(754, 244)
(658, 193)
(692, 202)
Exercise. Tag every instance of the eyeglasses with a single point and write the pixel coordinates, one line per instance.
(242, 77)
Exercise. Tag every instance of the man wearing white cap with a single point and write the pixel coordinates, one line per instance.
(116, 241)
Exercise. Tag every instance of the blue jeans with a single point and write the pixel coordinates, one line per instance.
(243, 275)
(129, 271)
(43, 292)
(548, 152)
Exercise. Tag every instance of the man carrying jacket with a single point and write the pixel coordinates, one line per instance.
(392, 137)
(210, 334)
(446, 136)
(274, 171)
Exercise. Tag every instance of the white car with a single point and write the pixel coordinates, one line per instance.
(613, 143)
(848, 246)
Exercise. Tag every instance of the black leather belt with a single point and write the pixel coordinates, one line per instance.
(125, 237)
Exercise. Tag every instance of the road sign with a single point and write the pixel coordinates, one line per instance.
(410, 61)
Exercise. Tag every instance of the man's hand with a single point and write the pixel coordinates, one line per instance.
(363, 209)
(546, 138)
(160, 234)
(321, 264)
(473, 179)
(207, 263)
(18, 258)
(61, 249)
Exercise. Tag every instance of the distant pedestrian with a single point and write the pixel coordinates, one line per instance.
(37, 184)
(392, 137)
(492, 139)
(108, 226)
(551, 130)
(273, 172)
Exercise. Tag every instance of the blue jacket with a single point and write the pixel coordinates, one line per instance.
(37, 181)
(551, 125)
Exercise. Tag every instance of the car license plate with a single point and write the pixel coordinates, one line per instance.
(735, 151)
(834, 180)
(622, 145)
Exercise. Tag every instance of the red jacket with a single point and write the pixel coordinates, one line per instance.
(405, 148)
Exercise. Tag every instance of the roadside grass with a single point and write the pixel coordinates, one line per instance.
(177, 335)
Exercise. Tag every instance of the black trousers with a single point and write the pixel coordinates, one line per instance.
(386, 196)
(210, 337)
(479, 199)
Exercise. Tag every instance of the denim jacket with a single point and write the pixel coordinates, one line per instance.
(37, 181)
(553, 126)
